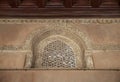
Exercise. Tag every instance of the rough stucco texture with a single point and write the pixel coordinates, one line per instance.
(14, 34)
(102, 52)
(57, 76)
(102, 37)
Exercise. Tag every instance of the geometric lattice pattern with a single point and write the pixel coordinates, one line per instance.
(58, 55)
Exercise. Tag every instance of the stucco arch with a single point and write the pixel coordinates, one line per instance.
(71, 32)
(40, 34)
(39, 46)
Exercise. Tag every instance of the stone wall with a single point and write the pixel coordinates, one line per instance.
(98, 42)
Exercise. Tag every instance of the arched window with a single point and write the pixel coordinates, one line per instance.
(57, 52)
(58, 55)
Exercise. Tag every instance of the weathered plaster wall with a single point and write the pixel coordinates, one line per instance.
(99, 34)
(102, 38)
(59, 76)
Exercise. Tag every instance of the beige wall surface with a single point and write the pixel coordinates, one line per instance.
(102, 39)
(59, 76)
(99, 34)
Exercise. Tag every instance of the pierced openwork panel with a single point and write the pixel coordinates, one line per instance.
(57, 55)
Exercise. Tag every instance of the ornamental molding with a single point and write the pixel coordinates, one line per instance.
(57, 20)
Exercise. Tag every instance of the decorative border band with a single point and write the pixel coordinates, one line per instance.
(57, 20)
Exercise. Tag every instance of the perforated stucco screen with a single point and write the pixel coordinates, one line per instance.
(58, 55)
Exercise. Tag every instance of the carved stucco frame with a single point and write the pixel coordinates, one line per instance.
(79, 55)
(59, 29)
